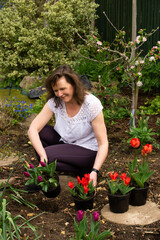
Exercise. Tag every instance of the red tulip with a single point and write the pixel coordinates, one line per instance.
(87, 177)
(85, 189)
(143, 153)
(114, 176)
(71, 185)
(148, 148)
(135, 142)
(78, 179)
(123, 176)
(127, 181)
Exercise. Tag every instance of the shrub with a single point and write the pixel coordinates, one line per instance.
(35, 37)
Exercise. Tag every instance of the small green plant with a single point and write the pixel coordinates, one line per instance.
(16, 109)
(39, 103)
(140, 173)
(116, 185)
(42, 176)
(152, 107)
(142, 132)
(158, 122)
(10, 229)
(82, 227)
(84, 187)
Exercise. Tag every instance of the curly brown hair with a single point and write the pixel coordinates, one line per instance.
(72, 78)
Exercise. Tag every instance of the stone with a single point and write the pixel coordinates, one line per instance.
(8, 160)
(136, 215)
(12, 180)
(27, 82)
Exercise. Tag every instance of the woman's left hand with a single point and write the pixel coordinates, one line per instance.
(93, 177)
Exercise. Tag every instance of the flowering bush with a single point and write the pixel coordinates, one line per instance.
(42, 176)
(17, 109)
(84, 187)
(119, 185)
(81, 228)
(140, 173)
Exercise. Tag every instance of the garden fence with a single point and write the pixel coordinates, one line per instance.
(120, 14)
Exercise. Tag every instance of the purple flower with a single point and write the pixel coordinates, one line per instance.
(79, 215)
(40, 179)
(26, 174)
(43, 164)
(31, 165)
(95, 216)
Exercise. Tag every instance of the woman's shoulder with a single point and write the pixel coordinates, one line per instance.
(91, 99)
(51, 104)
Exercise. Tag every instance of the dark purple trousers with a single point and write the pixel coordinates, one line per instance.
(70, 157)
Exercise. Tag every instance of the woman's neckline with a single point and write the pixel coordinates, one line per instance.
(70, 116)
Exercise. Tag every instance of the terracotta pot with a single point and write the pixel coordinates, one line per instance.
(118, 203)
(53, 191)
(138, 196)
(84, 204)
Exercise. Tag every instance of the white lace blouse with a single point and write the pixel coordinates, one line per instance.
(78, 129)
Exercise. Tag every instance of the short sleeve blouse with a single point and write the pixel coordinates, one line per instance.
(78, 129)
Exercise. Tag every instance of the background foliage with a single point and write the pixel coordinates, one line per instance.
(36, 36)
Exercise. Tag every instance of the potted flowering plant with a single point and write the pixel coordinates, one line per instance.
(119, 192)
(83, 193)
(140, 174)
(44, 176)
(81, 228)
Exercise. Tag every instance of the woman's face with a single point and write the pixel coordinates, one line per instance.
(63, 90)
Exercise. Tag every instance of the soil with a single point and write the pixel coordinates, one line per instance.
(56, 222)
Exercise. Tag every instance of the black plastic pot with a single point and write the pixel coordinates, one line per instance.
(84, 204)
(53, 191)
(138, 196)
(118, 203)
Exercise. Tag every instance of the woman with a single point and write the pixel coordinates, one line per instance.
(78, 141)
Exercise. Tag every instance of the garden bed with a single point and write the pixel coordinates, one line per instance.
(57, 221)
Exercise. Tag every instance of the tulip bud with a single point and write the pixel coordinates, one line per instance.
(79, 215)
(31, 165)
(26, 174)
(40, 179)
(43, 164)
(95, 216)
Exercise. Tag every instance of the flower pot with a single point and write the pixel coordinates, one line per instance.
(53, 191)
(118, 203)
(84, 204)
(138, 196)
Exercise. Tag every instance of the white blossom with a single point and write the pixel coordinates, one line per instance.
(152, 59)
(158, 42)
(99, 43)
(144, 39)
(136, 63)
(140, 74)
(139, 84)
(142, 62)
(138, 39)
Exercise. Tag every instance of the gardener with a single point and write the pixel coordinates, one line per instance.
(78, 141)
